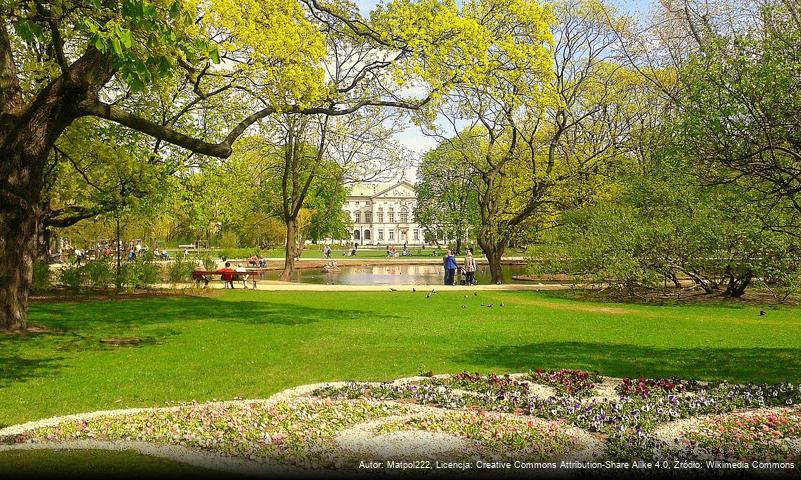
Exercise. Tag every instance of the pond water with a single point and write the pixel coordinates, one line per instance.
(399, 274)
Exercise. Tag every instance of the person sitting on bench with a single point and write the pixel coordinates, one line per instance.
(241, 269)
(227, 275)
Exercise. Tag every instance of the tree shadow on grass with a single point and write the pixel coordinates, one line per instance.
(110, 314)
(770, 365)
(15, 368)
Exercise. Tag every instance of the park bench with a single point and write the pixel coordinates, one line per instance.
(205, 276)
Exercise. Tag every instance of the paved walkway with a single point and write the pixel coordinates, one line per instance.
(311, 287)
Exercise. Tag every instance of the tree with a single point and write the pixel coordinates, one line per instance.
(538, 117)
(445, 195)
(741, 105)
(72, 59)
(662, 226)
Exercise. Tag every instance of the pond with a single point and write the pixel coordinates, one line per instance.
(398, 274)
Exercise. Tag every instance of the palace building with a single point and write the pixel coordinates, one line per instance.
(383, 214)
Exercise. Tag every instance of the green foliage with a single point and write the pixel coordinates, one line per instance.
(180, 270)
(72, 277)
(98, 273)
(142, 273)
(740, 108)
(209, 262)
(41, 276)
(664, 228)
(446, 197)
(229, 240)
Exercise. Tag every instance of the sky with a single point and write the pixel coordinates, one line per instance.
(413, 138)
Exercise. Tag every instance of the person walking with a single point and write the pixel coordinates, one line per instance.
(469, 268)
(449, 262)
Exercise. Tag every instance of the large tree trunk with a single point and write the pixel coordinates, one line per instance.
(17, 248)
(494, 252)
(291, 249)
(28, 132)
(737, 285)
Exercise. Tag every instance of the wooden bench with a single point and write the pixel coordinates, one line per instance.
(205, 276)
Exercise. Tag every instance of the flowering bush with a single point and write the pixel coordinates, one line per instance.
(565, 381)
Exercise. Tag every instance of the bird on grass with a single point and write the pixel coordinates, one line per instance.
(393, 289)
(490, 305)
(465, 296)
(502, 305)
(475, 294)
(414, 289)
(761, 313)
(464, 306)
(428, 296)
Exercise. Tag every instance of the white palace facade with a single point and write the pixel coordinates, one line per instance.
(383, 214)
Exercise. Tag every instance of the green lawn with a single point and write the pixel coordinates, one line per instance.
(252, 344)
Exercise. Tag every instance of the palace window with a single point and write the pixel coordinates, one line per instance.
(357, 217)
(380, 235)
(391, 215)
(416, 234)
(391, 233)
(404, 217)
(368, 217)
(380, 217)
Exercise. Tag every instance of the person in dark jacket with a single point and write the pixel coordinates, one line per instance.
(450, 265)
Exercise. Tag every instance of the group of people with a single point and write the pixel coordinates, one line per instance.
(257, 261)
(451, 266)
(392, 251)
(227, 274)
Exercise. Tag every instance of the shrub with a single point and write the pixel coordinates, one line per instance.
(71, 277)
(180, 270)
(41, 276)
(142, 273)
(209, 263)
(229, 240)
(98, 273)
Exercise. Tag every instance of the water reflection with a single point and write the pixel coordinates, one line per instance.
(392, 274)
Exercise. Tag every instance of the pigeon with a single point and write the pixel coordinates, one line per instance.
(490, 305)
(428, 296)
(502, 305)
(414, 289)
(393, 289)
(761, 313)
(475, 294)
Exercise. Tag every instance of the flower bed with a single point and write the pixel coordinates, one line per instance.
(627, 422)
(645, 387)
(475, 382)
(298, 433)
(497, 436)
(495, 412)
(746, 436)
(568, 382)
